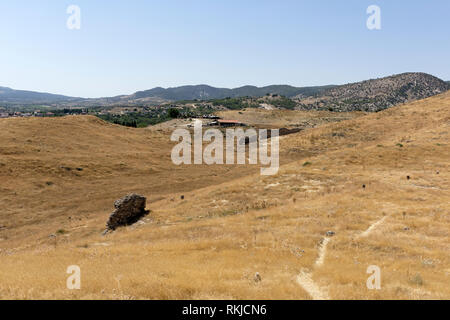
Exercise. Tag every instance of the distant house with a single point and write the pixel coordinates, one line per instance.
(4, 115)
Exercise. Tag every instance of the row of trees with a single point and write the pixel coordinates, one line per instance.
(140, 120)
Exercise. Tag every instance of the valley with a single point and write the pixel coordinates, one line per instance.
(377, 183)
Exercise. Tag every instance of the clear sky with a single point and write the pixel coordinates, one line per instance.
(125, 46)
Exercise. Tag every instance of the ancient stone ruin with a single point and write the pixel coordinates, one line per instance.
(129, 210)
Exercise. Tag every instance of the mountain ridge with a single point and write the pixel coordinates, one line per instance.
(155, 95)
(158, 95)
(9, 95)
(376, 94)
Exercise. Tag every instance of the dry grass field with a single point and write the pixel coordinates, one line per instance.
(268, 119)
(60, 177)
(286, 118)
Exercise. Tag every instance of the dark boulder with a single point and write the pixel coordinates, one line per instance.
(129, 210)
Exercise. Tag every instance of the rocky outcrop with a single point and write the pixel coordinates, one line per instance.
(129, 210)
(376, 95)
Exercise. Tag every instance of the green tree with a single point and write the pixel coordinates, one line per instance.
(174, 113)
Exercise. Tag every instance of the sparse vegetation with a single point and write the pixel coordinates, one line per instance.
(375, 95)
(235, 103)
(283, 103)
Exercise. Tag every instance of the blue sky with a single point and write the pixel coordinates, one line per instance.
(125, 46)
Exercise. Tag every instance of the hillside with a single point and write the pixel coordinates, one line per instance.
(61, 176)
(376, 95)
(280, 118)
(10, 96)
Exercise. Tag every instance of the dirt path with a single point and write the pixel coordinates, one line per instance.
(322, 252)
(372, 227)
(306, 282)
(304, 279)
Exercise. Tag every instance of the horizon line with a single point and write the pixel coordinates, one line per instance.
(211, 86)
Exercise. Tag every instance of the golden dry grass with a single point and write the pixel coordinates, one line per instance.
(286, 118)
(233, 222)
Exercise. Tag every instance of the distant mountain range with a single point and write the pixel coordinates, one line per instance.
(204, 92)
(11, 96)
(154, 96)
(426, 83)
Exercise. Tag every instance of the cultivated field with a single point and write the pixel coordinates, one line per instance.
(59, 178)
